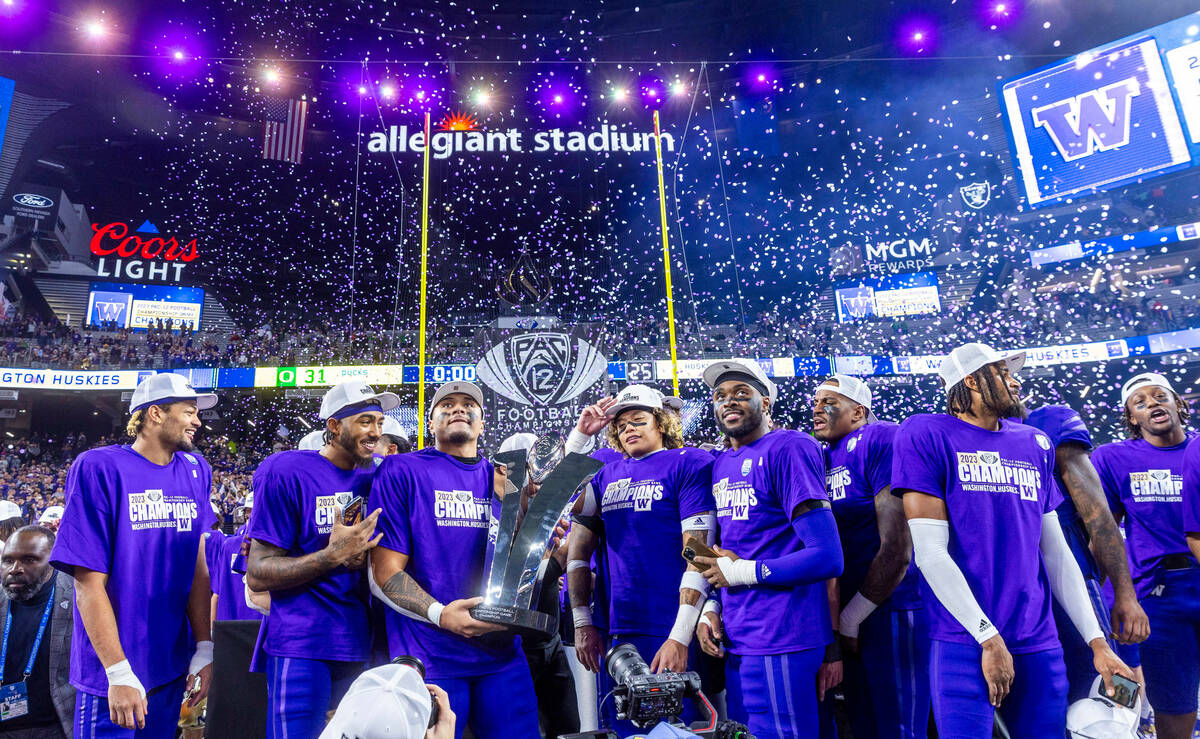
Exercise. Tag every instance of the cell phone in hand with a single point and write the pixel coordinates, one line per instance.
(352, 513)
(693, 548)
(1125, 691)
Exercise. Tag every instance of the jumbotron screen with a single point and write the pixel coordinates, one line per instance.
(888, 297)
(139, 306)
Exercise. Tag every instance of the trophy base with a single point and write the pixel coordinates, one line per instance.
(521, 620)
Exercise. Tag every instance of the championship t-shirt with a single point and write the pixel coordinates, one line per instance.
(1144, 485)
(997, 486)
(222, 553)
(1191, 489)
(437, 510)
(606, 455)
(859, 467)
(757, 487)
(642, 503)
(296, 495)
(1064, 426)
(141, 523)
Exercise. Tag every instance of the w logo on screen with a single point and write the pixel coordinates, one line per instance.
(110, 311)
(1097, 120)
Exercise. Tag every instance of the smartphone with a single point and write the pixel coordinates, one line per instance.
(693, 548)
(352, 513)
(1126, 691)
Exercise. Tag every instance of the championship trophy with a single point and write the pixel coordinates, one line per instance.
(520, 553)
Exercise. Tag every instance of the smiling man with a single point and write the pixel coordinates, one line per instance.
(434, 508)
(131, 536)
(316, 638)
(1143, 480)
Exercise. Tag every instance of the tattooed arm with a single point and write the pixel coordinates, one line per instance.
(401, 592)
(269, 567)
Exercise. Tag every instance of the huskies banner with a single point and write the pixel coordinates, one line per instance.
(537, 381)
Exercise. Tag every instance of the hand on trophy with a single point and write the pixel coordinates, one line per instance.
(595, 417)
(456, 618)
(558, 543)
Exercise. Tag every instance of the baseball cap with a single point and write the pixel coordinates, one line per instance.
(1098, 717)
(53, 513)
(458, 386)
(350, 398)
(852, 388)
(392, 427)
(168, 386)
(968, 358)
(9, 509)
(312, 441)
(638, 396)
(715, 371)
(1146, 379)
(387, 702)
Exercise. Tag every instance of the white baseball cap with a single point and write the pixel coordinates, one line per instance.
(9, 509)
(643, 396)
(1098, 717)
(852, 388)
(1146, 379)
(53, 513)
(392, 427)
(387, 702)
(522, 440)
(969, 358)
(353, 397)
(713, 373)
(458, 386)
(168, 386)
(312, 441)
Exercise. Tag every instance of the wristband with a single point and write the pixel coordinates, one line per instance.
(712, 605)
(739, 572)
(201, 658)
(434, 613)
(122, 674)
(833, 652)
(578, 442)
(575, 564)
(685, 624)
(695, 581)
(855, 612)
(582, 616)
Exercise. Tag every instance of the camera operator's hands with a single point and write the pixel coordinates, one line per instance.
(709, 629)
(444, 728)
(595, 417)
(456, 618)
(670, 656)
(588, 648)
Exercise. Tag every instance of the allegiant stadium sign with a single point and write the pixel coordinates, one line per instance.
(446, 143)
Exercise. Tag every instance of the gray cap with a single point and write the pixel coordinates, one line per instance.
(168, 387)
(458, 386)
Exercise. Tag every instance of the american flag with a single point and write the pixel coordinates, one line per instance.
(283, 132)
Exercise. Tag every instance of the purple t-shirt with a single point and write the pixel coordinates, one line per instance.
(859, 467)
(997, 486)
(296, 494)
(1191, 489)
(222, 554)
(642, 503)
(606, 455)
(1064, 426)
(1144, 485)
(437, 510)
(757, 488)
(141, 523)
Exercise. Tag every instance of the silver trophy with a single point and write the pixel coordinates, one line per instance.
(519, 558)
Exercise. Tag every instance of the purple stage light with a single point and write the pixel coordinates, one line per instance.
(761, 78)
(999, 13)
(918, 36)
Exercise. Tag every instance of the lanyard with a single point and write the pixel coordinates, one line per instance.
(37, 642)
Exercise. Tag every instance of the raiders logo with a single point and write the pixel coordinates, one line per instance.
(1043, 442)
(976, 194)
(989, 457)
(747, 465)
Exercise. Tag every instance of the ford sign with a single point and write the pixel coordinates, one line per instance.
(31, 200)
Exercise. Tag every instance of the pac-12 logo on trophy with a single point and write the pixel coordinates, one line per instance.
(542, 368)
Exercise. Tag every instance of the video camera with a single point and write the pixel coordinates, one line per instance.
(645, 699)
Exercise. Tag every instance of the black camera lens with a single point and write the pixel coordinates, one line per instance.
(624, 662)
(415, 662)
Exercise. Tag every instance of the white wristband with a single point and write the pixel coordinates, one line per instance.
(685, 624)
(578, 442)
(855, 612)
(711, 605)
(582, 616)
(434, 613)
(122, 674)
(695, 581)
(740, 572)
(201, 658)
(575, 564)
